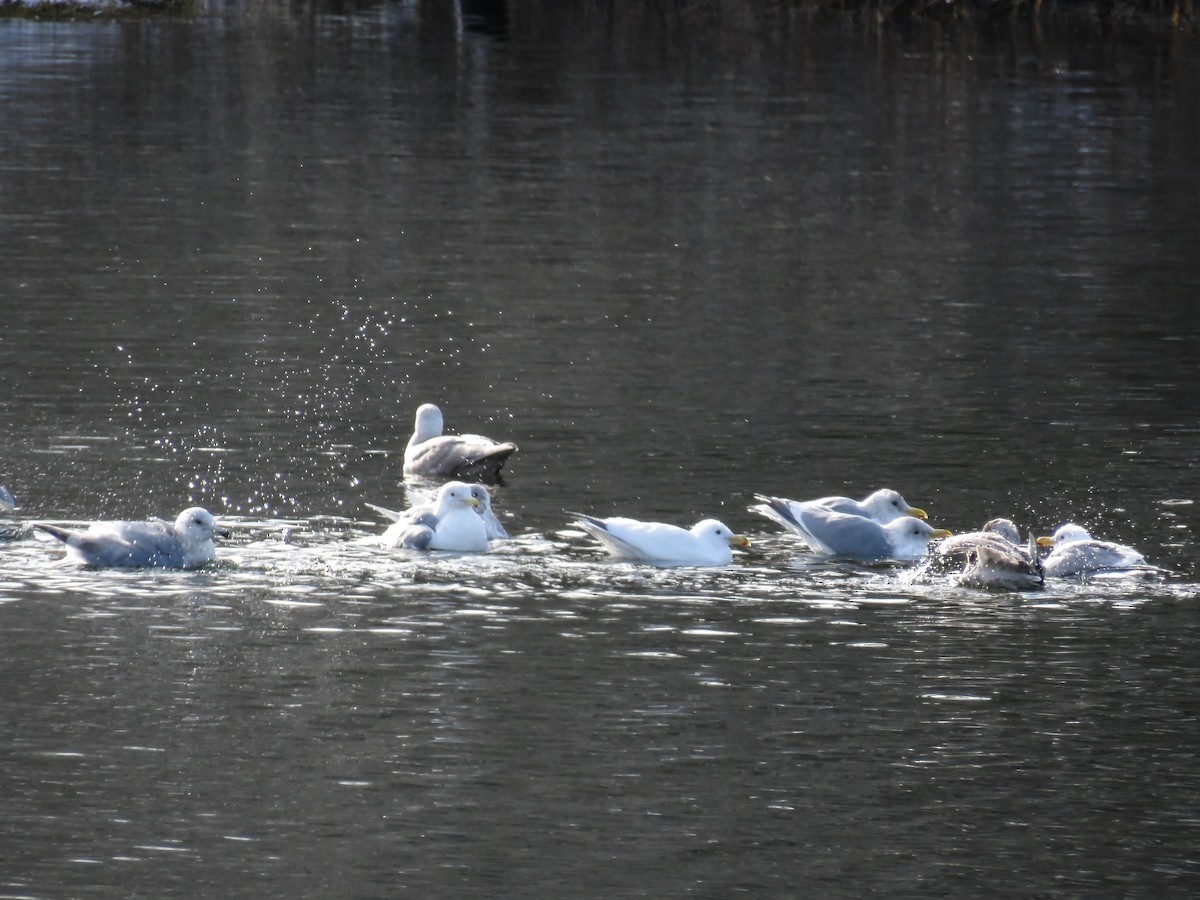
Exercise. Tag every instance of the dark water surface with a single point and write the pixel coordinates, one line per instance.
(677, 265)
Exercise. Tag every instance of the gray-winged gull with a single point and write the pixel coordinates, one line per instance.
(1075, 552)
(707, 543)
(882, 506)
(10, 530)
(431, 454)
(832, 533)
(452, 524)
(184, 544)
(491, 522)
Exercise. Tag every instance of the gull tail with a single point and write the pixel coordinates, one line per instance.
(390, 514)
(485, 467)
(62, 534)
(777, 509)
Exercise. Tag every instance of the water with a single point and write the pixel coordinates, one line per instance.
(677, 265)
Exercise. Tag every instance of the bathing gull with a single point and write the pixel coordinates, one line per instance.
(492, 524)
(452, 524)
(992, 557)
(186, 544)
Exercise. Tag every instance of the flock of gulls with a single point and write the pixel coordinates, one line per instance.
(883, 527)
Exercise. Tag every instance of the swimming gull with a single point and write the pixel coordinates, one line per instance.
(491, 522)
(185, 544)
(992, 557)
(831, 533)
(431, 454)
(1075, 552)
(882, 506)
(707, 543)
(10, 530)
(452, 524)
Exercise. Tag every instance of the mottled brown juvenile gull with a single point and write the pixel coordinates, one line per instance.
(186, 544)
(992, 557)
(1075, 552)
(832, 533)
(707, 543)
(452, 524)
(431, 454)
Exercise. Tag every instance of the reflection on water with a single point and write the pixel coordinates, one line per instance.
(676, 267)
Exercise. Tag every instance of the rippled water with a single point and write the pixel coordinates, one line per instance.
(677, 267)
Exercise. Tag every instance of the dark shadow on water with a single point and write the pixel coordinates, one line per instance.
(488, 17)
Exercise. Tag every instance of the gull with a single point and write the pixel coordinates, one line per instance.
(491, 523)
(1075, 552)
(9, 530)
(707, 543)
(831, 533)
(431, 454)
(452, 524)
(993, 557)
(882, 506)
(184, 544)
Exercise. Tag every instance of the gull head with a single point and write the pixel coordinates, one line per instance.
(427, 423)
(454, 493)
(196, 525)
(712, 529)
(887, 504)
(1065, 534)
(1005, 528)
(911, 528)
